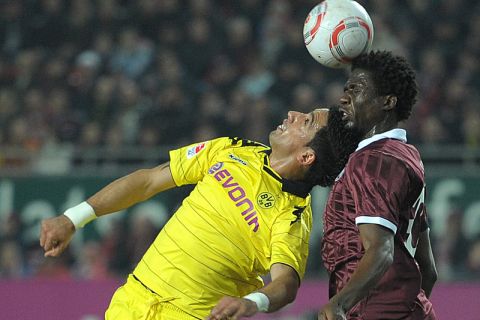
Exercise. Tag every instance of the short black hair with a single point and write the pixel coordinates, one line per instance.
(391, 75)
(332, 145)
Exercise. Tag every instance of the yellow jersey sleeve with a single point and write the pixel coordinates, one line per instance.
(190, 164)
(290, 237)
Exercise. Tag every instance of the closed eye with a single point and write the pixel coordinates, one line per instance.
(353, 88)
(307, 119)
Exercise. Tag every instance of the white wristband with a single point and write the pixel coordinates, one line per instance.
(81, 214)
(260, 299)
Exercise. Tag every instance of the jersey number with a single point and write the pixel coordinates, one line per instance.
(411, 243)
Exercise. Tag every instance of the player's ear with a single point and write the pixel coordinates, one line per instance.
(389, 102)
(306, 157)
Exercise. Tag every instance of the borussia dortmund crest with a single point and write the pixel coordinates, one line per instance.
(266, 200)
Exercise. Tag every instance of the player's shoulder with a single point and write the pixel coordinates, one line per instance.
(238, 149)
(211, 146)
(236, 142)
(245, 143)
(385, 153)
(387, 149)
(242, 146)
(231, 142)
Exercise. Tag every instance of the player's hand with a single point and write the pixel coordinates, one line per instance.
(55, 235)
(332, 311)
(230, 308)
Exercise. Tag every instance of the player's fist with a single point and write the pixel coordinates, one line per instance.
(55, 235)
(331, 311)
(232, 308)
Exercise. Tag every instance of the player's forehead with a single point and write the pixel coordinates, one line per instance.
(359, 76)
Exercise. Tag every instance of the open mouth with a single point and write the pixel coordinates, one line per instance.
(282, 127)
(345, 114)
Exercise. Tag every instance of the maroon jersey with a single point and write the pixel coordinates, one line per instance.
(383, 183)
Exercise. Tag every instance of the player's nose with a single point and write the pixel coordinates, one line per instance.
(344, 99)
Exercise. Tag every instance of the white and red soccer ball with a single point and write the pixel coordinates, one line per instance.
(336, 31)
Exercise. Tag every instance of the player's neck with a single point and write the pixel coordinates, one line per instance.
(287, 166)
(380, 127)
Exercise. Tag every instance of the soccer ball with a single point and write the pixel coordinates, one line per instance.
(336, 31)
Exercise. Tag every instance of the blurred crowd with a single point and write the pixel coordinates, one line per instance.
(115, 73)
(169, 72)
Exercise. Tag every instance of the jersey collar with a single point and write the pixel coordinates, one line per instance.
(297, 188)
(397, 133)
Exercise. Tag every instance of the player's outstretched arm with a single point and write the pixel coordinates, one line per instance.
(379, 248)
(426, 262)
(56, 233)
(132, 189)
(281, 291)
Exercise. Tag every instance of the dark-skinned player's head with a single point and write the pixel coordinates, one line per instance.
(332, 145)
(391, 75)
(381, 90)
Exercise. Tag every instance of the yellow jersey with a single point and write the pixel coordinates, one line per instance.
(241, 218)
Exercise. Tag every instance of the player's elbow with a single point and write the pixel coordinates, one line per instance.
(291, 292)
(430, 275)
(291, 296)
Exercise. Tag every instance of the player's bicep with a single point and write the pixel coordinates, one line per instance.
(160, 179)
(285, 273)
(376, 236)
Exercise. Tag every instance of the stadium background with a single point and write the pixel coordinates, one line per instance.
(90, 90)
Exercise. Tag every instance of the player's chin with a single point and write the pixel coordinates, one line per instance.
(339, 119)
(348, 124)
(276, 132)
(273, 135)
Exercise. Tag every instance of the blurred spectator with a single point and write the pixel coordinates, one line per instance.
(132, 55)
(11, 260)
(84, 50)
(92, 263)
(257, 78)
(49, 268)
(13, 29)
(471, 118)
(473, 260)
(48, 24)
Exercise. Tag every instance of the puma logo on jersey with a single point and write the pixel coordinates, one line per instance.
(234, 157)
(297, 213)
